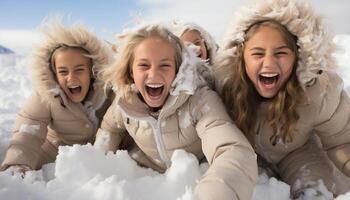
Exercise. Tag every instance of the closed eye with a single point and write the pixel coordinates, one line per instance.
(281, 53)
(143, 65)
(257, 54)
(62, 72)
(165, 65)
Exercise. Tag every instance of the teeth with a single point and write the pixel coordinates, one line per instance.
(269, 75)
(154, 85)
(72, 87)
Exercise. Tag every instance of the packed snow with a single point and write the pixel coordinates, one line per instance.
(85, 172)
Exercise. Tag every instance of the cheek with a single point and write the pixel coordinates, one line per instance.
(250, 69)
(61, 80)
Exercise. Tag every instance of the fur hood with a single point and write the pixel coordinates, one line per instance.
(193, 72)
(315, 45)
(180, 28)
(55, 35)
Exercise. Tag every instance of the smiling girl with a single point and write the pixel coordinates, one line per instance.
(275, 77)
(164, 104)
(67, 102)
(203, 42)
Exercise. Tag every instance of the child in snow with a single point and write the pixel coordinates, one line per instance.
(163, 103)
(203, 43)
(68, 101)
(279, 88)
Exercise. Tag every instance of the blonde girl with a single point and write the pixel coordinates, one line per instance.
(163, 103)
(197, 37)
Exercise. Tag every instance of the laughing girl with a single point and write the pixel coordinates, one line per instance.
(164, 104)
(275, 76)
(67, 102)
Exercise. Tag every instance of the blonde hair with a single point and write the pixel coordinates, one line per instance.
(63, 48)
(118, 74)
(242, 99)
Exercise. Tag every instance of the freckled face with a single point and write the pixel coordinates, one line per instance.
(194, 37)
(73, 74)
(154, 70)
(268, 61)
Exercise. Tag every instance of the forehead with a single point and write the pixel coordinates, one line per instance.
(266, 35)
(154, 46)
(191, 34)
(71, 55)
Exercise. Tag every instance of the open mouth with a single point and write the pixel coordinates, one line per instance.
(154, 90)
(75, 89)
(268, 79)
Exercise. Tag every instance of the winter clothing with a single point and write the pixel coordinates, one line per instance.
(212, 47)
(326, 111)
(49, 118)
(193, 118)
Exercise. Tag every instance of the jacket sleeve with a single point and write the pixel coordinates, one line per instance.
(333, 121)
(233, 166)
(111, 133)
(29, 134)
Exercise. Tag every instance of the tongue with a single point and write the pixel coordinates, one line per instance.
(154, 91)
(267, 80)
(75, 90)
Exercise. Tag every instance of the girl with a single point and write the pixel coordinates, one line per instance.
(67, 103)
(192, 34)
(280, 90)
(164, 104)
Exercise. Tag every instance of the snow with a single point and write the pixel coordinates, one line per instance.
(85, 172)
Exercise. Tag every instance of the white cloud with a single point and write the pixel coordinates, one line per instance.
(211, 15)
(215, 15)
(20, 41)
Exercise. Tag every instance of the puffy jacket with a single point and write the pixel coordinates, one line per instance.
(327, 110)
(48, 118)
(193, 118)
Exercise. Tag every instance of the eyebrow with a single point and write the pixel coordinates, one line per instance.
(262, 49)
(162, 60)
(79, 65)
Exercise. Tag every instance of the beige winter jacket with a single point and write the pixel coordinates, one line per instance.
(48, 118)
(327, 111)
(194, 119)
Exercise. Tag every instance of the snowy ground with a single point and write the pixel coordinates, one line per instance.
(82, 172)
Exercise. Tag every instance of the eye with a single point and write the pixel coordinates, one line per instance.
(198, 43)
(165, 65)
(257, 54)
(62, 72)
(143, 66)
(281, 53)
(80, 70)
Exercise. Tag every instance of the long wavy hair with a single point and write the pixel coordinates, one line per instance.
(118, 75)
(242, 100)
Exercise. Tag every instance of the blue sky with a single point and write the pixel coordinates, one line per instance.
(20, 18)
(101, 16)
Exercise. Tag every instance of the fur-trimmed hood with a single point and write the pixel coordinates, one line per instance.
(315, 46)
(192, 73)
(56, 34)
(180, 28)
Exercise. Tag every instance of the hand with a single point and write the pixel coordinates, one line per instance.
(19, 169)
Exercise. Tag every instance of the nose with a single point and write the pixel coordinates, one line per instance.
(71, 76)
(152, 73)
(270, 61)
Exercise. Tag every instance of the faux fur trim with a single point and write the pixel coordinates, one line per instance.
(315, 45)
(212, 46)
(193, 73)
(55, 34)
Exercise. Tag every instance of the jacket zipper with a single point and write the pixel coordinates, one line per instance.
(159, 141)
